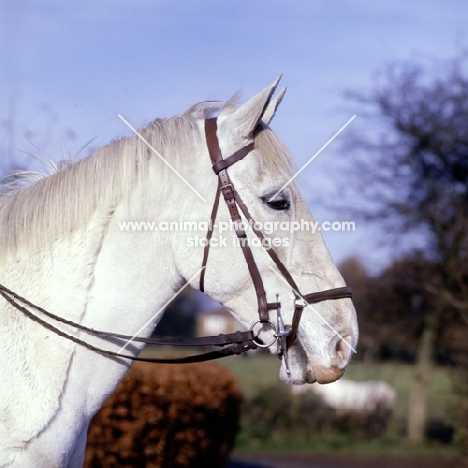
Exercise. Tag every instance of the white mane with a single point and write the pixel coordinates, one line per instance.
(39, 209)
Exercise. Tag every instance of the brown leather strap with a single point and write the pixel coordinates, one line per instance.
(219, 340)
(295, 324)
(313, 298)
(239, 341)
(229, 194)
(336, 293)
(257, 280)
(237, 156)
(211, 127)
(209, 235)
(281, 267)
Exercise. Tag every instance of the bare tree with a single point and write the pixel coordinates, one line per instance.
(413, 167)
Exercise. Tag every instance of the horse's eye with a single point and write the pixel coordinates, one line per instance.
(279, 203)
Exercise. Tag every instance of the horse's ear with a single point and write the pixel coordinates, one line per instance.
(272, 106)
(247, 117)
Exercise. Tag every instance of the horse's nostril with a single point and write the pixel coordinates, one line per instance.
(343, 351)
(340, 354)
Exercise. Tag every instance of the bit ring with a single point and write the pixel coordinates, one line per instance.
(272, 342)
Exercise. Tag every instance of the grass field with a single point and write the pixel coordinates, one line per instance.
(261, 370)
(256, 371)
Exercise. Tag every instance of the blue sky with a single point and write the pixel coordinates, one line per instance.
(68, 68)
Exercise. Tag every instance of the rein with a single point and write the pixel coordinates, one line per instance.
(230, 344)
(239, 341)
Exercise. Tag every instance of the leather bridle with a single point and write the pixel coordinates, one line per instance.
(230, 344)
(235, 205)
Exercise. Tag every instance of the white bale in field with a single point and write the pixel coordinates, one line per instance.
(351, 396)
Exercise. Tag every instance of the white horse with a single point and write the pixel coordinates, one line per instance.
(348, 396)
(63, 249)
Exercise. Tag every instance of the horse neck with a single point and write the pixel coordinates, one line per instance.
(133, 276)
(102, 277)
(99, 273)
